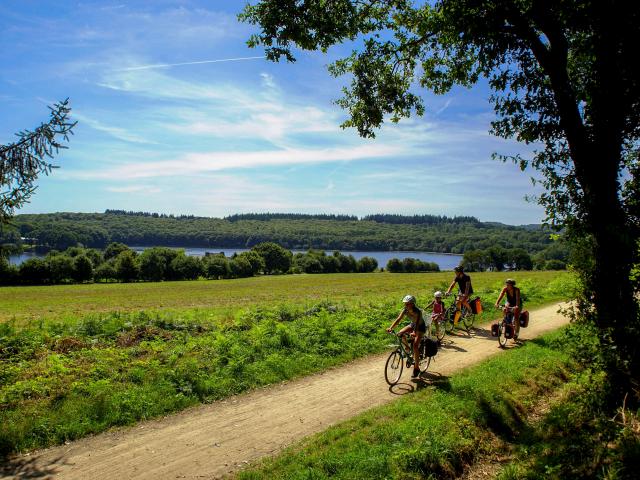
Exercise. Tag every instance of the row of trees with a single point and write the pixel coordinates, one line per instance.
(317, 261)
(555, 257)
(120, 263)
(411, 265)
(97, 230)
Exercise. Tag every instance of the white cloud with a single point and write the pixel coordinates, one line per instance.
(116, 132)
(134, 189)
(197, 163)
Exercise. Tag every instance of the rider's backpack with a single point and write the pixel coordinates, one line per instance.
(476, 306)
(495, 329)
(430, 347)
(508, 330)
(524, 319)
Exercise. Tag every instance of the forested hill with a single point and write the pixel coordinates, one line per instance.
(293, 231)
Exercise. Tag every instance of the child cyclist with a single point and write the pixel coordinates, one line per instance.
(416, 329)
(437, 312)
(514, 301)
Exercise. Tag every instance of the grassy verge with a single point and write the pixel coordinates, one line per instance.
(61, 379)
(435, 432)
(580, 438)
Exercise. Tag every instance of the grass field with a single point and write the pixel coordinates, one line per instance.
(225, 297)
(76, 360)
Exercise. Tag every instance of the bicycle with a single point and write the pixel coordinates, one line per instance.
(467, 317)
(505, 333)
(438, 326)
(397, 358)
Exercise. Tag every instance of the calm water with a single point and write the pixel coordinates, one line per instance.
(444, 260)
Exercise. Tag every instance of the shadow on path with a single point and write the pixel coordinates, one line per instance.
(25, 467)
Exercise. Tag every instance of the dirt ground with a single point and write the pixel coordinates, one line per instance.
(213, 440)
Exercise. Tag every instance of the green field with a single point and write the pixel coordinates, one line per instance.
(226, 297)
(76, 360)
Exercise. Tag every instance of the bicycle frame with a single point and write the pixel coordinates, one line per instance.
(397, 358)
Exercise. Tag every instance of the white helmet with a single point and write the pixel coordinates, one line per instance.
(438, 294)
(409, 299)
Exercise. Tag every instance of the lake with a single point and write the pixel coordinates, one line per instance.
(446, 261)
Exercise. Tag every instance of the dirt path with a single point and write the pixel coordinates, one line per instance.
(212, 440)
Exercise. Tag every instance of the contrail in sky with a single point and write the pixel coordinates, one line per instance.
(167, 65)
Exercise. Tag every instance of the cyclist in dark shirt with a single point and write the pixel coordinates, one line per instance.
(514, 300)
(464, 287)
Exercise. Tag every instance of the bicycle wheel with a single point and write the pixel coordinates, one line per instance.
(424, 361)
(393, 367)
(468, 319)
(438, 329)
(449, 314)
(502, 340)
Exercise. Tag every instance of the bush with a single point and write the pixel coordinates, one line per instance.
(82, 269)
(105, 272)
(34, 271)
(126, 265)
(8, 272)
(153, 265)
(367, 264)
(187, 268)
(555, 265)
(216, 266)
(276, 258)
(240, 267)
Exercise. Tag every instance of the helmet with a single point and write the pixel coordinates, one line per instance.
(459, 268)
(409, 299)
(438, 294)
(510, 281)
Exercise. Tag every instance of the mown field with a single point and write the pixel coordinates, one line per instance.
(225, 298)
(76, 360)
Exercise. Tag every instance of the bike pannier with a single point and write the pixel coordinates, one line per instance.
(495, 330)
(508, 331)
(524, 319)
(476, 306)
(430, 347)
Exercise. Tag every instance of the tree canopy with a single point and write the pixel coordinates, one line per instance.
(563, 76)
(22, 161)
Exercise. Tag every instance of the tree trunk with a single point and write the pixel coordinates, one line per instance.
(615, 253)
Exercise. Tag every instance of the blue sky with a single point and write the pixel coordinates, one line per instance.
(177, 115)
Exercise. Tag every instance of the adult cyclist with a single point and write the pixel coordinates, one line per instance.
(464, 288)
(514, 301)
(417, 327)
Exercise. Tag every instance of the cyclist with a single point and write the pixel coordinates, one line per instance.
(417, 328)
(464, 288)
(514, 300)
(437, 312)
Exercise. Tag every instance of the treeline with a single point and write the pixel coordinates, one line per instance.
(554, 257)
(131, 213)
(419, 219)
(96, 230)
(265, 217)
(411, 265)
(119, 263)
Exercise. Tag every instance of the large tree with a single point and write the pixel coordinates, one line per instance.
(564, 78)
(22, 161)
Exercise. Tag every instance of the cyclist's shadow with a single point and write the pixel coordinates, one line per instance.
(425, 380)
